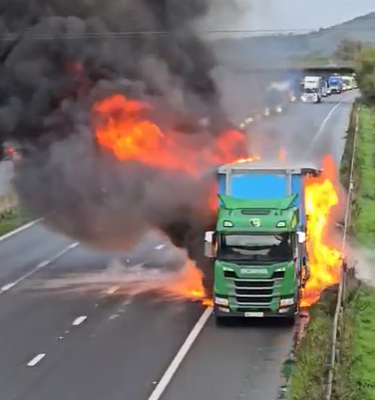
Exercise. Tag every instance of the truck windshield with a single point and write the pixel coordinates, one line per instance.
(256, 248)
(310, 90)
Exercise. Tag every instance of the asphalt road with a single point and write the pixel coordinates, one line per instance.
(68, 338)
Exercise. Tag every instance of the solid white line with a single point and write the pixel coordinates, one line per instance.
(320, 130)
(159, 247)
(79, 320)
(181, 354)
(20, 229)
(35, 360)
(41, 265)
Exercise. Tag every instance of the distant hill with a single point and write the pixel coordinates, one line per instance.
(261, 50)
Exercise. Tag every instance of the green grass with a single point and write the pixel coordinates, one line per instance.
(363, 349)
(363, 212)
(357, 347)
(12, 219)
(311, 356)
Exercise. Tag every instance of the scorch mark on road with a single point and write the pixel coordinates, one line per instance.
(40, 266)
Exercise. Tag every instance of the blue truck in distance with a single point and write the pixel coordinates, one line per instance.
(261, 209)
(335, 84)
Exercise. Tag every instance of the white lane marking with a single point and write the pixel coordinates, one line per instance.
(41, 265)
(159, 247)
(5, 288)
(36, 360)
(321, 128)
(79, 320)
(20, 229)
(181, 354)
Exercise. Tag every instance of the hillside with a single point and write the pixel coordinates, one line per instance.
(250, 51)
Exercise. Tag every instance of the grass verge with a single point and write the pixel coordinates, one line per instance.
(13, 219)
(309, 373)
(356, 367)
(310, 361)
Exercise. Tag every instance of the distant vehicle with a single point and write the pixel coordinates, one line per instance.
(348, 82)
(336, 84)
(10, 152)
(312, 91)
(324, 88)
(276, 97)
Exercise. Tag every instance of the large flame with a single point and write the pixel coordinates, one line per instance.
(321, 195)
(127, 129)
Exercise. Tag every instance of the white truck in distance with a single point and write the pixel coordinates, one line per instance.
(312, 91)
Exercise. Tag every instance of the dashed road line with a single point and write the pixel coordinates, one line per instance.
(79, 320)
(41, 265)
(36, 360)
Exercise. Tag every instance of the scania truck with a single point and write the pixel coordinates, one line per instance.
(259, 244)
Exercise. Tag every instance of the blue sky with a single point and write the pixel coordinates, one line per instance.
(301, 14)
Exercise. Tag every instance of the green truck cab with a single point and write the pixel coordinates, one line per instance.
(259, 243)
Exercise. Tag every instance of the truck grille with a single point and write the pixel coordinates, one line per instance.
(233, 275)
(254, 291)
(251, 299)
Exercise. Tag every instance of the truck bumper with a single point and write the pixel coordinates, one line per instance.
(224, 312)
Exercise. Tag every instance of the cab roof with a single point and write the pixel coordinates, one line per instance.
(271, 166)
(257, 215)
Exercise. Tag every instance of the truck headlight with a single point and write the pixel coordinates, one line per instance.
(287, 302)
(221, 302)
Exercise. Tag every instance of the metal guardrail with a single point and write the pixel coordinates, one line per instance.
(338, 316)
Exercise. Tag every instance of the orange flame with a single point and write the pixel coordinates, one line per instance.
(282, 154)
(324, 259)
(125, 127)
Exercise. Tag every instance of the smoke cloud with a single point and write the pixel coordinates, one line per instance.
(60, 57)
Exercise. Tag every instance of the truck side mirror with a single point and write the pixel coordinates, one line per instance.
(214, 246)
(301, 237)
(208, 236)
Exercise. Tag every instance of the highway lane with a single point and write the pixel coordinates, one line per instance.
(125, 345)
(304, 129)
(118, 351)
(22, 253)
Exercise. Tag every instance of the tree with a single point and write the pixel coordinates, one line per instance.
(365, 73)
(348, 49)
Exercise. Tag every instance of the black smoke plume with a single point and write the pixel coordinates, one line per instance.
(58, 58)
